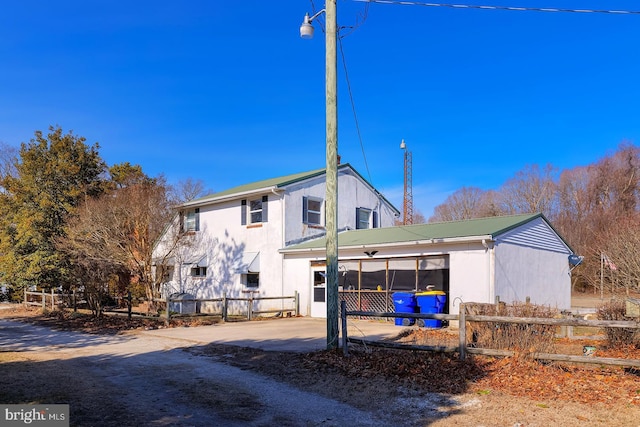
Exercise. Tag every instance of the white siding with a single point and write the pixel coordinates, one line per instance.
(535, 234)
(541, 275)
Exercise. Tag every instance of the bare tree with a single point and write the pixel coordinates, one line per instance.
(188, 189)
(532, 190)
(465, 203)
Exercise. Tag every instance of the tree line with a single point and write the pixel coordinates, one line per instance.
(71, 221)
(595, 208)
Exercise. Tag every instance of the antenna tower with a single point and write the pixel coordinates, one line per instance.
(407, 202)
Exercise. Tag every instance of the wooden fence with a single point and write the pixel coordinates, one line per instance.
(294, 309)
(53, 299)
(463, 349)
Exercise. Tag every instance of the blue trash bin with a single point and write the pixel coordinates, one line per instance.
(431, 302)
(404, 302)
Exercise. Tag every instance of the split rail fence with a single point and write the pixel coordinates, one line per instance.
(52, 300)
(463, 348)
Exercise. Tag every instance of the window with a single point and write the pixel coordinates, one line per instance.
(253, 280)
(255, 211)
(366, 218)
(199, 271)
(311, 211)
(191, 220)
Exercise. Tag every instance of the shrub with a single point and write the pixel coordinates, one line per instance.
(524, 339)
(616, 337)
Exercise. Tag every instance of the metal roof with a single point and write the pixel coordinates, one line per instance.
(275, 183)
(490, 228)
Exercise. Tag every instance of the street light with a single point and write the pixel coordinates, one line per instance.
(331, 89)
(306, 29)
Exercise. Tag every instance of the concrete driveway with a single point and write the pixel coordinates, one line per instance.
(300, 334)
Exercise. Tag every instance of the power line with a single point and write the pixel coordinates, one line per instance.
(353, 108)
(511, 8)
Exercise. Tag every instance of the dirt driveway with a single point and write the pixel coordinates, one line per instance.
(157, 378)
(138, 380)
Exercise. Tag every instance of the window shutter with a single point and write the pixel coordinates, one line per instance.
(197, 219)
(304, 210)
(265, 204)
(375, 219)
(243, 212)
(357, 218)
(181, 221)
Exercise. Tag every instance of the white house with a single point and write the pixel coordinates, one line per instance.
(228, 243)
(267, 238)
(513, 258)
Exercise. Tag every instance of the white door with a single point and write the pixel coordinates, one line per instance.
(319, 293)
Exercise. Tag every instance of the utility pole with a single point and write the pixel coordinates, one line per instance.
(332, 174)
(407, 202)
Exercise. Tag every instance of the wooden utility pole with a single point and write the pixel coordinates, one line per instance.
(332, 173)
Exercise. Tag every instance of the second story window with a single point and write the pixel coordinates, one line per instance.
(366, 218)
(254, 211)
(191, 220)
(311, 211)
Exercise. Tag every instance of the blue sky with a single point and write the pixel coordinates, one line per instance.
(227, 92)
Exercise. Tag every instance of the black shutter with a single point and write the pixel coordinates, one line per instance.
(375, 219)
(181, 221)
(243, 212)
(305, 218)
(197, 219)
(357, 218)
(265, 204)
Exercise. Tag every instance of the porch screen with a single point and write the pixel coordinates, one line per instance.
(402, 274)
(374, 274)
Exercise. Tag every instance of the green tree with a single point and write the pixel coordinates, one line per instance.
(53, 174)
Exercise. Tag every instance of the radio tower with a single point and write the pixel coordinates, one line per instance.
(407, 203)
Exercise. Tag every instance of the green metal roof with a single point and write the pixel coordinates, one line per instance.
(265, 183)
(492, 226)
(278, 182)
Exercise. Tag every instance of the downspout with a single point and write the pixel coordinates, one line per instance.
(489, 248)
(283, 240)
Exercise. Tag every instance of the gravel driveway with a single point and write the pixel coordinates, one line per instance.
(141, 379)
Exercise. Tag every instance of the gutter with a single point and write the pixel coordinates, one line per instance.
(273, 189)
(407, 244)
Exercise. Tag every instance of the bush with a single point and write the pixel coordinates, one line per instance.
(615, 310)
(522, 338)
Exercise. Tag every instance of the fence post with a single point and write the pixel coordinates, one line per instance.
(462, 330)
(75, 307)
(224, 307)
(25, 297)
(53, 300)
(168, 317)
(343, 316)
(44, 300)
(129, 301)
(249, 307)
(296, 303)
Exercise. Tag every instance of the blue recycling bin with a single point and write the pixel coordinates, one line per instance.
(404, 302)
(431, 302)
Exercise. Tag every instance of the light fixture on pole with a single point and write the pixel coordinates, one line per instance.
(306, 29)
(331, 218)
